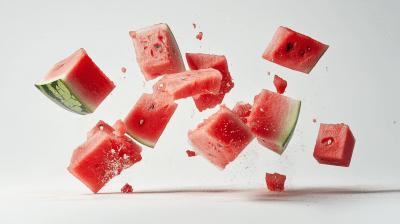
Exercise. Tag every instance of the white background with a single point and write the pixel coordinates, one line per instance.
(355, 82)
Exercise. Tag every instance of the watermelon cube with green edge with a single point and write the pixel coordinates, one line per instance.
(280, 84)
(294, 50)
(157, 52)
(190, 83)
(242, 110)
(220, 138)
(335, 145)
(273, 119)
(275, 182)
(103, 156)
(76, 84)
(203, 61)
(149, 117)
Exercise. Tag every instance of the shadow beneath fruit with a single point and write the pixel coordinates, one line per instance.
(180, 191)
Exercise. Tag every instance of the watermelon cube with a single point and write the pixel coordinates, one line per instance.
(203, 61)
(294, 50)
(335, 144)
(190, 83)
(275, 182)
(242, 110)
(220, 138)
(149, 117)
(280, 84)
(157, 52)
(273, 119)
(103, 156)
(127, 188)
(76, 84)
(190, 153)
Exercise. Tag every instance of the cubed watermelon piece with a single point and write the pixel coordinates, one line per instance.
(190, 153)
(190, 83)
(275, 182)
(199, 36)
(149, 117)
(273, 119)
(120, 128)
(220, 138)
(280, 84)
(203, 61)
(103, 156)
(242, 110)
(76, 84)
(335, 144)
(157, 52)
(294, 50)
(127, 188)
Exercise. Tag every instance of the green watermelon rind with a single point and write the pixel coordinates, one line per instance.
(142, 141)
(322, 54)
(176, 44)
(291, 128)
(59, 92)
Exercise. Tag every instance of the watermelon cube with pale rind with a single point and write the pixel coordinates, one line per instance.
(242, 110)
(157, 52)
(149, 117)
(76, 84)
(275, 182)
(273, 119)
(220, 138)
(203, 61)
(120, 128)
(280, 84)
(294, 50)
(190, 83)
(335, 145)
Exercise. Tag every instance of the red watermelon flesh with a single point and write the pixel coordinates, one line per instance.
(76, 84)
(102, 157)
(203, 61)
(149, 117)
(335, 144)
(190, 153)
(120, 128)
(275, 182)
(280, 84)
(157, 52)
(242, 110)
(294, 50)
(190, 83)
(127, 188)
(220, 138)
(273, 119)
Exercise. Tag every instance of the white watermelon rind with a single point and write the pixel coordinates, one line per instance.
(141, 140)
(293, 122)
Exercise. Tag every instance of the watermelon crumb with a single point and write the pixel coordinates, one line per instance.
(269, 73)
(190, 153)
(194, 25)
(200, 35)
(127, 188)
(280, 84)
(123, 69)
(394, 122)
(120, 128)
(314, 120)
(275, 182)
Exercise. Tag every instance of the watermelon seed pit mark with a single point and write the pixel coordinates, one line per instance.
(219, 145)
(141, 121)
(101, 127)
(157, 46)
(288, 47)
(152, 107)
(160, 86)
(309, 48)
(183, 78)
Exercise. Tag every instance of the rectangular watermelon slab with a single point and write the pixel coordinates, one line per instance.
(204, 61)
(149, 117)
(76, 84)
(335, 144)
(273, 119)
(294, 50)
(190, 83)
(103, 156)
(220, 138)
(157, 52)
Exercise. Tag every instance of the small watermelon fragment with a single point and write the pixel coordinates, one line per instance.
(76, 84)
(157, 52)
(103, 156)
(190, 83)
(275, 182)
(190, 153)
(203, 61)
(280, 84)
(200, 35)
(335, 145)
(294, 50)
(242, 110)
(120, 128)
(149, 117)
(220, 138)
(273, 119)
(127, 189)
